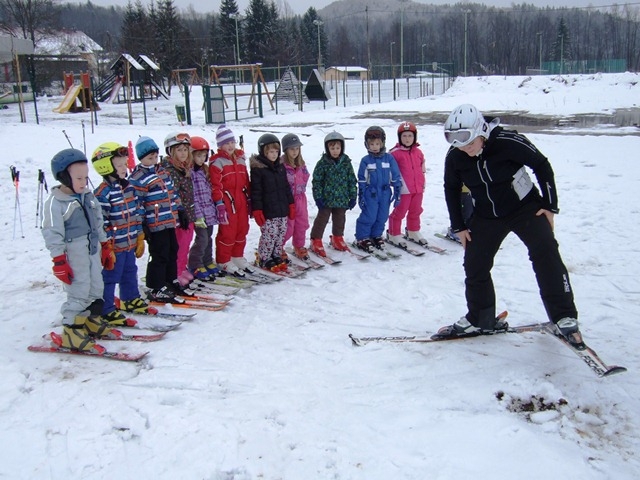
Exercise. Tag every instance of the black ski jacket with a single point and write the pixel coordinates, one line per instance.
(270, 189)
(497, 178)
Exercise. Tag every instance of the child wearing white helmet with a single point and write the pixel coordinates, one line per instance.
(492, 162)
(179, 163)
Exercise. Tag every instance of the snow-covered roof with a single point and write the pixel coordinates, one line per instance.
(65, 42)
(349, 69)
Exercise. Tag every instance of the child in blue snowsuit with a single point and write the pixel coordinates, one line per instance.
(379, 184)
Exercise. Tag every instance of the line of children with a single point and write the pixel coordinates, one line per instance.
(271, 201)
(122, 214)
(178, 192)
(231, 194)
(411, 164)
(298, 177)
(334, 187)
(379, 184)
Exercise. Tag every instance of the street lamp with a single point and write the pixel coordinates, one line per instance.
(236, 17)
(317, 23)
(422, 51)
(466, 12)
(540, 65)
(391, 58)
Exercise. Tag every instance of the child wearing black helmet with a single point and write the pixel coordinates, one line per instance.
(73, 233)
(271, 201)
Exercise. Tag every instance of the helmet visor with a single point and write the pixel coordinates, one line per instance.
(459, 138)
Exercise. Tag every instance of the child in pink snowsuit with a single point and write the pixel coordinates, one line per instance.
(410, 160)
(298, 176)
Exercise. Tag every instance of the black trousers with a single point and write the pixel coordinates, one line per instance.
(535, 232)
(162, 268)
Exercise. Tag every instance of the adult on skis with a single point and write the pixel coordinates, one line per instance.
(491, 162)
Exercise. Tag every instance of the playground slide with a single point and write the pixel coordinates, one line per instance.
(114, 91)
(69, 99)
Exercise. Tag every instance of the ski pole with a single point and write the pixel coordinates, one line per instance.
(67, 137)
(15, 176)
(42, 187)
(84, 139)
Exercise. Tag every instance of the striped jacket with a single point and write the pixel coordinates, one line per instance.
(122, 213)
(154, 189)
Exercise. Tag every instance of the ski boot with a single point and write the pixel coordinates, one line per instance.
(76, 337)
(317, 247)
(568, 329)
(339, 244)
(243, 265)
(464, 328)
(301, 252)
(397, 240)
(416, 237)
(365, 245)
(378, 242)
(116, 319)
(137, 305)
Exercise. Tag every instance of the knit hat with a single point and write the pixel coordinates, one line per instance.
(224, 135)
(145, 146)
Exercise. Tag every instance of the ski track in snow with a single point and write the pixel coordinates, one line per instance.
(271, 387)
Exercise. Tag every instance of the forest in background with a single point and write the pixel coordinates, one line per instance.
(469, 38)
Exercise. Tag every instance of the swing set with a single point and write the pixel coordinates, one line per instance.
(256, 78)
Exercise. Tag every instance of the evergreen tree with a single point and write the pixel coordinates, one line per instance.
(561, 47)
(226, 40)
(262, 32)
(309, 35)
(171, 37)
(136, 35)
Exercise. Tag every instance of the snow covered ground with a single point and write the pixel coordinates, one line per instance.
(271, 387)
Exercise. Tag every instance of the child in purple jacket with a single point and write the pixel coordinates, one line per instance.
(200, 262)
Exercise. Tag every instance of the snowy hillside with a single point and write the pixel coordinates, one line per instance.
(271, 387)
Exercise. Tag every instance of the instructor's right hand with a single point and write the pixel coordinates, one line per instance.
(465, 236)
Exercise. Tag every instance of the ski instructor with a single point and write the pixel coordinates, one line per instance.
(491, 161)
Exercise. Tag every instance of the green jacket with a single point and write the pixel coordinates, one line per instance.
(334, 183)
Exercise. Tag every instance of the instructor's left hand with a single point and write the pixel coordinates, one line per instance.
(547, 214)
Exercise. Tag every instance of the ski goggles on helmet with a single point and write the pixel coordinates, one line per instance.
(179, 138)
(118, 152)
(375, 134)
(459, 138)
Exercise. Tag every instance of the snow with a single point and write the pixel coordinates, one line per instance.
(271, 387)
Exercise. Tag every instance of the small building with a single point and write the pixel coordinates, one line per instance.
(333, 74)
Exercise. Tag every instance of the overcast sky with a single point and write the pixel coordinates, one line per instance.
(300, 6)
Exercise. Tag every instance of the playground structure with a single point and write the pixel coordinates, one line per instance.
(140, 77)
(256, 78)
(176, 78)
(78, 96)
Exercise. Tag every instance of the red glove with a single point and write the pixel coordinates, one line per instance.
(292, 211)
(107, 256)
(259, 217)
(62, 269)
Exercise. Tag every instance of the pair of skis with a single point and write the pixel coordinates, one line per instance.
(587, 354)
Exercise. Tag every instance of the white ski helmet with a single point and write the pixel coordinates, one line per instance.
(176, 139)
(464, 125)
